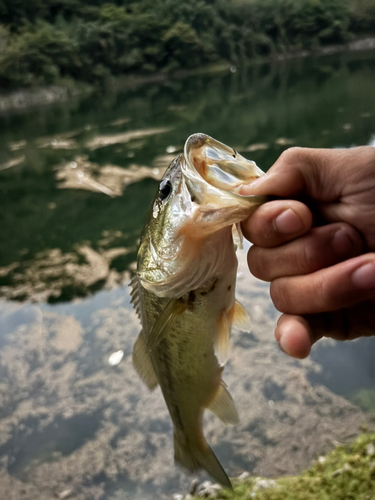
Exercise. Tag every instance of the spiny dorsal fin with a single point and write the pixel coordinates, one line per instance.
(142, 363)
(239, 317)
(134, 293)
(165, 321)
(222, 405)
(221, 343)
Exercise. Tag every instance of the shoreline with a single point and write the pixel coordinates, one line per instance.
(348, 467)
(22, 99)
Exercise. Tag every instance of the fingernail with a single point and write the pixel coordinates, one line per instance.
(288, 222)
(342, 243)
(364, 276)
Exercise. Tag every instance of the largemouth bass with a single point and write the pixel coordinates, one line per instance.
(184, 288)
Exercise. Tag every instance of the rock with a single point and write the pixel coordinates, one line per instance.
(208, 490)
(115, 358)
(261, 483)
(244, 475)
(193, 486)
(337, 472)
(178, 496)
(370, 449)
(265, 483)
(65, 494)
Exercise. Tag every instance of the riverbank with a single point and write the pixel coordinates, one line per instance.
(348, 472)
(23, 99)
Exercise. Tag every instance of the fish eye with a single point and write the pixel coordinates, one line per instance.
(165, 189)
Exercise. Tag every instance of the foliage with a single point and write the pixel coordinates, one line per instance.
(362, 16)
(44, 41)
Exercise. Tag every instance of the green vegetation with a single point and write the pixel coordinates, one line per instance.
(348, 473)
(63, 41)
(364, 398)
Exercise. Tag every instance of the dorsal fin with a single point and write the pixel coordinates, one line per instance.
(134, 293)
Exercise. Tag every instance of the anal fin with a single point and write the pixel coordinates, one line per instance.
(222, 405)
(142, 363)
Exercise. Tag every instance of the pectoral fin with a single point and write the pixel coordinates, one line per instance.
(239, 317)
(142, 363)
(222, 405)
(165, 321)
(221, 343)
(237, 235)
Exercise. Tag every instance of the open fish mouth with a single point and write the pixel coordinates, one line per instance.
(219, 165)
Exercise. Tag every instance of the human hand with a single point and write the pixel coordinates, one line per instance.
(316, 246)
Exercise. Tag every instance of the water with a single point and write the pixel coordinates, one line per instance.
(76, 181)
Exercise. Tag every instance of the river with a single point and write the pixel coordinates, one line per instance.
(76, 180)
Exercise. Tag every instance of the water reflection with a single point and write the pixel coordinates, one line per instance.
(71, 423)
(102, 148)
(347, 369)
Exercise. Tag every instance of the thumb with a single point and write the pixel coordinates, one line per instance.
(313, 172)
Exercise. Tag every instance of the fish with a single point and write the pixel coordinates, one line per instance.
(184, 291)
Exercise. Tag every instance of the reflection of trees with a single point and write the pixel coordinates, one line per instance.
(64, 219)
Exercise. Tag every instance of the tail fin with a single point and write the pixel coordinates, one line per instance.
(193, 458)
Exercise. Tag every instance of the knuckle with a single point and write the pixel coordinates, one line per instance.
(258, 264)
(306, 258)
(251, 227)
(323, 293)
(258, 227)
(280, 295)
(293, 154)
(354, 236)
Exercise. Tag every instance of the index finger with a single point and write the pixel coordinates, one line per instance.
(277, 222)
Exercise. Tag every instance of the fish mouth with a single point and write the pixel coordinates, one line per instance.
(219, 165)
